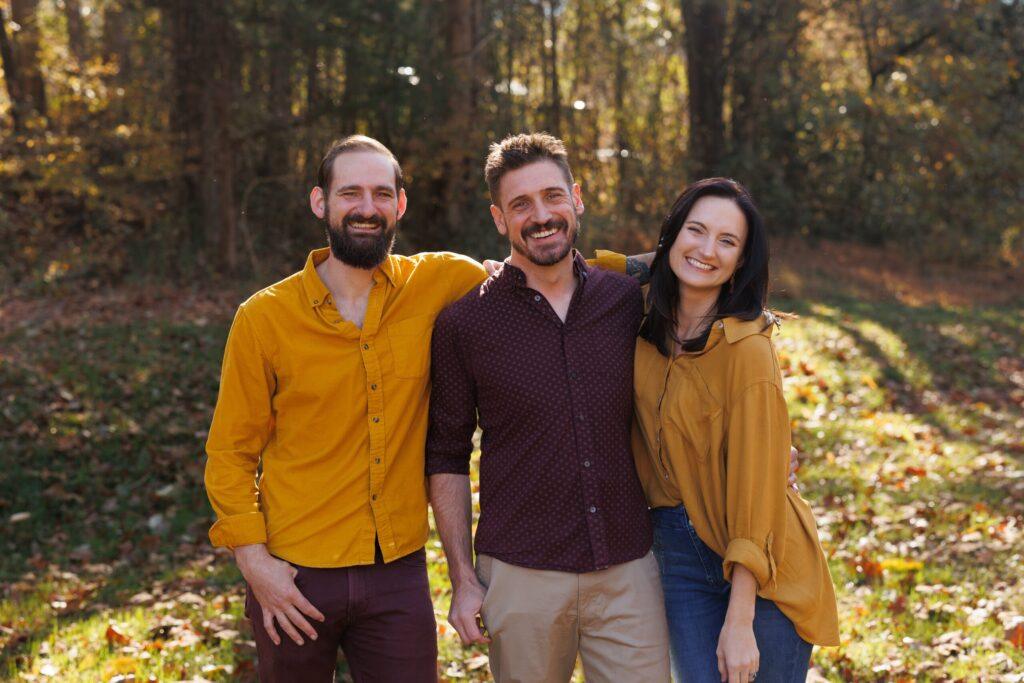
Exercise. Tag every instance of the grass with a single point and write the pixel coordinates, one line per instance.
(909, 416)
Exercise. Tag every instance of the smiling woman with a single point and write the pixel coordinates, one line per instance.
(713, 250)
(747, 588)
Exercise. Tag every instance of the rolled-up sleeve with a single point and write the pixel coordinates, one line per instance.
(452, 402)
(608, 260)
(756, 478)
(242, 425)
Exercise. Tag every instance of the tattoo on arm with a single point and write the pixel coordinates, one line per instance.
(638, 269)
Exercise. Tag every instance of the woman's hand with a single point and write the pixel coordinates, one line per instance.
(738, 657)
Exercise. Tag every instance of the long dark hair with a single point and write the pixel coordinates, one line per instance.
(744, 298)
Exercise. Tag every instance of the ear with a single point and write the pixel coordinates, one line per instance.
(402, 203)
(499, 220)
(577, 198)
(317, 201)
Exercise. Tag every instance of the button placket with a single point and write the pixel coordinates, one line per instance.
(375, 409)
(583, 446)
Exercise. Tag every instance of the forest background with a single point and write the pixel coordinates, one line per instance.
(155, 162)
(177, 139)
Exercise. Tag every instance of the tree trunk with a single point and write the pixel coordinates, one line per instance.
(459, 177)
(275, 159)
(76, 30)
(14, 91)
(205, 78)
(705, 72)
(26, 42)
(625, 194)
(116, 45)
(552, 85)
(218, 169)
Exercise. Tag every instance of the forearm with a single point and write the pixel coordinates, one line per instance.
(452, 502)
(742, 596)
(248, 555)
(639, 266)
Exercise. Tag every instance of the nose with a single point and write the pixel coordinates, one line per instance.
(366, 207)
(707, 247)
(541, 213)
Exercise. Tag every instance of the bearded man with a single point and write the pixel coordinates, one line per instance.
(541, 357)
(324, 392)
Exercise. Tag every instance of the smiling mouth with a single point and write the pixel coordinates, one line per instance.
(700, 265)
(543, 234)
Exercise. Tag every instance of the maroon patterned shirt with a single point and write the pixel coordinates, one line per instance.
(558, 488)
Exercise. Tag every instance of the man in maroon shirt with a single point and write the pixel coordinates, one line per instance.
(541, 355)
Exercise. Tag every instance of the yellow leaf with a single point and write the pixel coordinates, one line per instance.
(869, 381)
(899, 564)
(119, 666)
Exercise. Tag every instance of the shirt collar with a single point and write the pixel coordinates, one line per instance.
(515, 277)
(736, 329)
(315, 289)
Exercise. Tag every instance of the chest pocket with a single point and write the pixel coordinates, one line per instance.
(691, 410)
(410, 345)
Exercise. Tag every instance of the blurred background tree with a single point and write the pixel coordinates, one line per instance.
(178, 139)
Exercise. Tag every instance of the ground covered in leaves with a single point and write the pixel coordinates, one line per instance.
(908, 407)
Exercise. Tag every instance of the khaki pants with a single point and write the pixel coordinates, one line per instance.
(538, 620)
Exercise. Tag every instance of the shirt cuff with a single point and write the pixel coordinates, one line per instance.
(609, 260)
(760, 562)
(441, 465)
(236, 530)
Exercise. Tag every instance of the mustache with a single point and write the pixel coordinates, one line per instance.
(554, 223)
(376, 220)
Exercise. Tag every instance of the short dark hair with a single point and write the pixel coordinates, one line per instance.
(520, 150)
(353, 143)
(747, 295)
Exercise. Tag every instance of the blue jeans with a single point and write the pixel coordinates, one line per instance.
(696, 599)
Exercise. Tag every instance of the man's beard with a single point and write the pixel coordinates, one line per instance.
(359, 251)
(546, 258)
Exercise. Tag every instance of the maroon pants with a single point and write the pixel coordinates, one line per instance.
(380, 615)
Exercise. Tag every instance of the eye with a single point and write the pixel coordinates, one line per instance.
(694, 229)
(728, 242)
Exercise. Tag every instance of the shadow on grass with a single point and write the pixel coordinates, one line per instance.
(946, 367)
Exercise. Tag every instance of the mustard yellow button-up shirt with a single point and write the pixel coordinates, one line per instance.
(333, 417)
(712, 432)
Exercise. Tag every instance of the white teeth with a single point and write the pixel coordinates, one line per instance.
(697, 264)
(541, 235)
(364, 226)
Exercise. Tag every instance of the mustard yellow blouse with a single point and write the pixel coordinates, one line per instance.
(711, 431)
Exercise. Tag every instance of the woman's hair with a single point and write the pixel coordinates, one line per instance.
(743, 297)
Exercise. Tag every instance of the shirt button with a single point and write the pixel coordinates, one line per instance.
(376, 419)
(536, 297)
(572, 374)
(366, 346)
(376, 461)
(373, 497)
(586, 463)
(593, 509)
(720, 324)
(373, 387)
